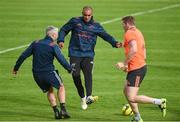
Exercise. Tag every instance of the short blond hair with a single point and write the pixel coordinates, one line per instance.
(51, 29)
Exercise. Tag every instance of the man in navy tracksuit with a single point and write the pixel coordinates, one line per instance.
(44, 73)
(84, 32)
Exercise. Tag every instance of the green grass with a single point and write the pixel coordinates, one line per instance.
(22, 21)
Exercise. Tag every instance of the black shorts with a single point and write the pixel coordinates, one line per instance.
(135, 77)
(47, 80)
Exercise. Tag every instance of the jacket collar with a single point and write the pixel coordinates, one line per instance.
(90, 22)
(48, 38)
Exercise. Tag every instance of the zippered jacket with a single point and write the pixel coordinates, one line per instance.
(83, 36)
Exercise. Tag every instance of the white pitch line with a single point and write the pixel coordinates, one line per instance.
(141, 13)
(15, 48)
(107, 22)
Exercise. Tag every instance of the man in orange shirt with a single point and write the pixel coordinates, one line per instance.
(135, 66)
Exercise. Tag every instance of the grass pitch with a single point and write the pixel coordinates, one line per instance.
(22, 21)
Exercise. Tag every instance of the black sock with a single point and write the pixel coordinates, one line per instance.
(62, 105)
(55, 108)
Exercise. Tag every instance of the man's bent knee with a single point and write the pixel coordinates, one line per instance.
(131, 99)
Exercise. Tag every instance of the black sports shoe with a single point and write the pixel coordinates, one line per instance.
(57, 115)
(64, 115)
(91, 99)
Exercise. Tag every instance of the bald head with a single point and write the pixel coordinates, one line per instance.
(87, 13)
(87, 8)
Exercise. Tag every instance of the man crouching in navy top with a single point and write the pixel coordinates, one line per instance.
(44, 73)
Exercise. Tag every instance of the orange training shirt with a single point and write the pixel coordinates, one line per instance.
(138, 60)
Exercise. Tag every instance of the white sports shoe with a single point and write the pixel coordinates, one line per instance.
(83, 103)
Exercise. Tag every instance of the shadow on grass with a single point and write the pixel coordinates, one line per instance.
(23, 115)
(24, 108)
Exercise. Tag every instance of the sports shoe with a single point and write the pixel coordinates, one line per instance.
(83, 103)
(163, 107)
(56, 115)
(133, 119)
(91, 99)
(63, 114)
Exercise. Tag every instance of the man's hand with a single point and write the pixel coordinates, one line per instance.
(122, 66)
(119, 44)
(61, 44)
(72, 69)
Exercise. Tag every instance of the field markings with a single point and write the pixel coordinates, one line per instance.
(142, 13)
(107, 22)
(15, 48)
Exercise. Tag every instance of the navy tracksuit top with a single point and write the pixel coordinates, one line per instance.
(83, 36)
(43, 52)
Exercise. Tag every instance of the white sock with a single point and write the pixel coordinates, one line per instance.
(157, 101)
(84, 98)
(137, 116)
